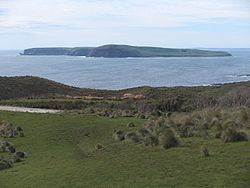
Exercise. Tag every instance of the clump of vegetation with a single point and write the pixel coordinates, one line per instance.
(215, 122)
(99, 147)
(6, 146)
(168, 139)
(151, 140)
(130, 125)
(11, 153)
(5, 164)
(204, 134)
(232, 135)
(143, 132)
(204, 151)
(132, 136)
(243, 115)
(7, 130)
(19, 156)
(185, 131)
(231, 124)
(119, 135)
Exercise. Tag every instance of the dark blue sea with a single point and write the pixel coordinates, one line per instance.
(115, 73)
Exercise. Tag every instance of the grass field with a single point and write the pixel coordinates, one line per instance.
(62, 153)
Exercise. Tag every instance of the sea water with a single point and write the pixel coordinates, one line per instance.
(120, 73)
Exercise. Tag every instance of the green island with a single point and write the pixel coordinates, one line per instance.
(139, 137)
(124, 51)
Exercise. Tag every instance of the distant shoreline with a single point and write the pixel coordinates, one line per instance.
(124, 51)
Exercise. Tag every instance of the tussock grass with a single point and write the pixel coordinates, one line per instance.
(62, 153)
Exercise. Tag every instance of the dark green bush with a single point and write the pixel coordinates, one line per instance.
(99, 147)
(150, 140)
(19, 156)
(204, 151)
(232, 135)
(130, 125)
(168, 139)
(132, 136)
(4, 164)
(119, 135)
(143, 132)
(185, 131)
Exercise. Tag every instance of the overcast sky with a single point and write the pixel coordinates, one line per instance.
(167, 23)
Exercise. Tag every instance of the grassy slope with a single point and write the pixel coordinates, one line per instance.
(61, 156)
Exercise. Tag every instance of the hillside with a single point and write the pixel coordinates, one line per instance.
(169, 138)
(136, 51)
(58, 51)
(123, 51)
(28, 86)
(50, 94)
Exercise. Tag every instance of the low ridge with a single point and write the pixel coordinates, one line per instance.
(124, 51)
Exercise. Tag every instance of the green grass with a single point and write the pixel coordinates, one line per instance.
(60, 155)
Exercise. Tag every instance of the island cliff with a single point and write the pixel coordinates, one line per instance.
(124, 51)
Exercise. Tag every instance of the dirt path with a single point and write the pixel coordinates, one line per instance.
(30, 110)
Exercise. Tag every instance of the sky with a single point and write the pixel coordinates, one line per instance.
(164, 23)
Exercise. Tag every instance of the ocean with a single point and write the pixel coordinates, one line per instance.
(120, 73)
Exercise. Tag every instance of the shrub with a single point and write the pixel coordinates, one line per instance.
(4, 164)
(204, 126)
(130, 125)
(132, 136)
(143, 132)
(19, 128)
(8, 131)
(204, 151)
(151, 141)
(142, 116)
(6, 146)
(99, 147)
(238, 96)
(168, 139)
(218, 134)
(230, 124)
(231, 135)
(11, 149)
(204, 134)
(243, 115)
(19, 156)
(185, 131)
(150, 126)
(21, 134)
(189, 121)
(119, 135)
(160, 126)
(169, 114)
(156, 113)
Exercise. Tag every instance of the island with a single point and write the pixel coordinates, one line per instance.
(125, 51)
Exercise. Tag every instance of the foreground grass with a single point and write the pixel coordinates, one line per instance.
(61, 154)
